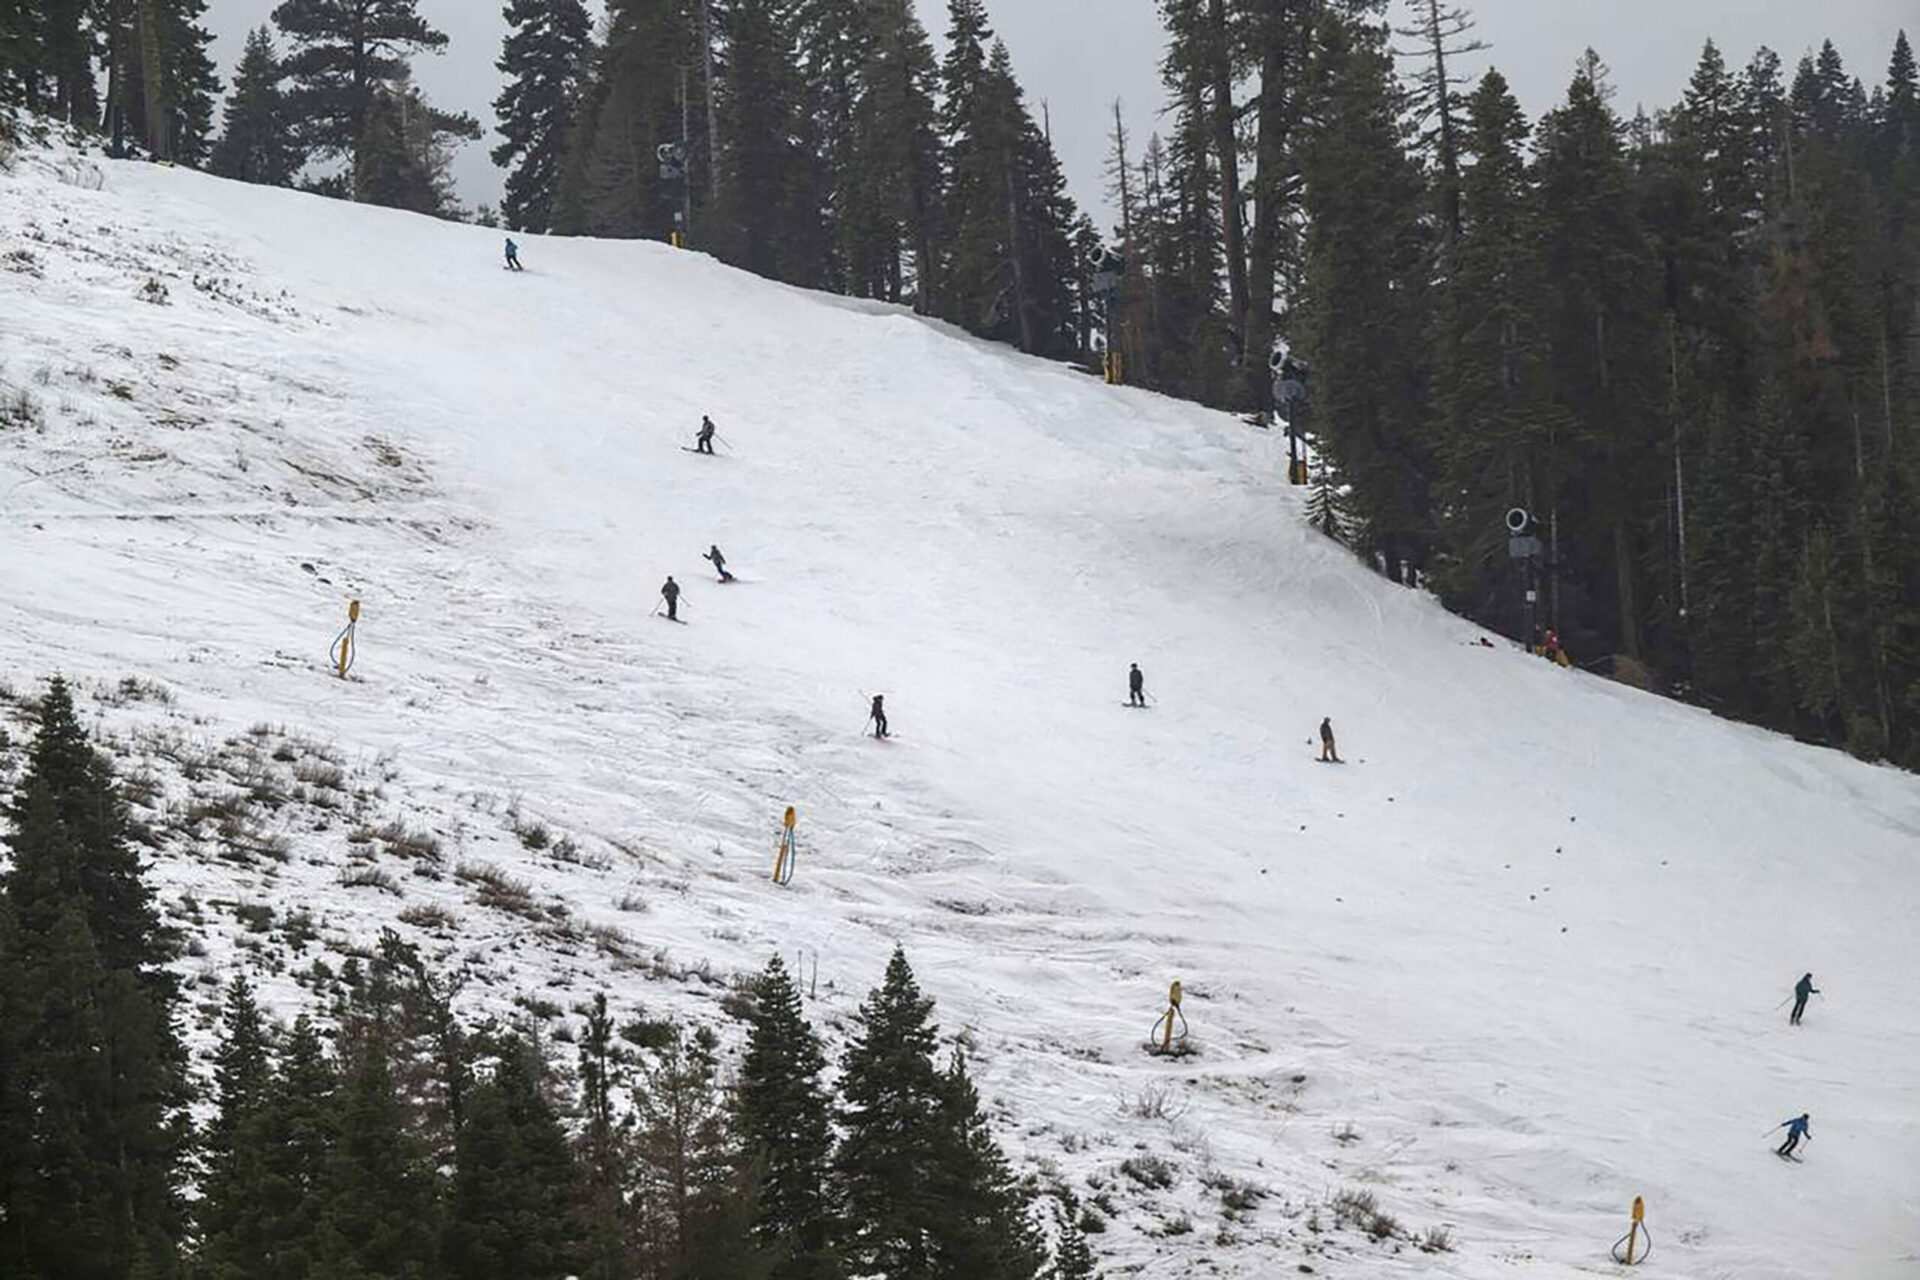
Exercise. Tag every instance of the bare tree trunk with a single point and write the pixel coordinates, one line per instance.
(1123, 178)
(1227, 144)
(1021, 311)
(153, 78)
(713, 117)
(1279, 60)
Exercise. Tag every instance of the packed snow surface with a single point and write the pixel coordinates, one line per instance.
(1513, 964)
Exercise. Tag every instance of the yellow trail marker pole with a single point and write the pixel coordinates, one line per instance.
(1633, 1234)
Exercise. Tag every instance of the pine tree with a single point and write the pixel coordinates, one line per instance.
(256, 144)
(232, 1244)
(1601, 330)
(1190, 333)
(987, 1230)
(887, 185)
(545, 53)
(785, 1129)
(1072, 1257)
(769, 208)
(343, 53)
(1491, 391)
(404, 158)
(92, 1040)
(379, 1197)
(603, 1152)
(893, 1104)
(637, 86)
(68, 35)
(1442, 33)
(22, 56)
(161, 85)
(686, 1160)
(510, 1207)
(1365, 309)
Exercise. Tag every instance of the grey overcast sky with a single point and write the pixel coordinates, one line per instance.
(1078, 56)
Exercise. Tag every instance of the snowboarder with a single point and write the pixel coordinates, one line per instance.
(1796, 1130)
(719, 563)
(703, 443)
(877, 717)
(1136, 686)
(671, 594)
(513, 256)
(1801, 990)
(1552, 646)
(1329, 754)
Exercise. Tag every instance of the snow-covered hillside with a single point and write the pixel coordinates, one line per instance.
(1514, 964)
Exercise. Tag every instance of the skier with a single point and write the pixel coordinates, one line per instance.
(719, 563)
(1552, 645)
(513, 256)
(877, 717)
(1328, 753)
(1796, 1130)
(1801, 990)
(1136, 686)
(671, 593)
(703, 443)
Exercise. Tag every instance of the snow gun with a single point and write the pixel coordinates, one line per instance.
(1636, 1246)
(341, 651)
(787, 855)
(1170, 1029)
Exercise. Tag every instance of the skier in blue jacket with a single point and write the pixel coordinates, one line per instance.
(1796, 1130)
(513, 256)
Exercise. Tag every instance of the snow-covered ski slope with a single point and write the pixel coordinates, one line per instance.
(1512, 965)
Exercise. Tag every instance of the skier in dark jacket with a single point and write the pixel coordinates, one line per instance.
(671, 594)
(703, 443)
(513, 256)
(1796, 1130)
(1136, 686)
(719, 563)
(1801, 990)
(1329, 754)
(877, 717)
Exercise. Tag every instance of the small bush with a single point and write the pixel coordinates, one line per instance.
(1361, 1209)
(369, 878)
(1180, 1226)
(1155, 1102)
(1346, 1134)
(1437, 1240)
(256, 916)
(649, 1033)
(320, 775)
(1148, 1171)
(20, 408)
(135, 689)
(154, 292)
(429, 916)
(495, 888)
